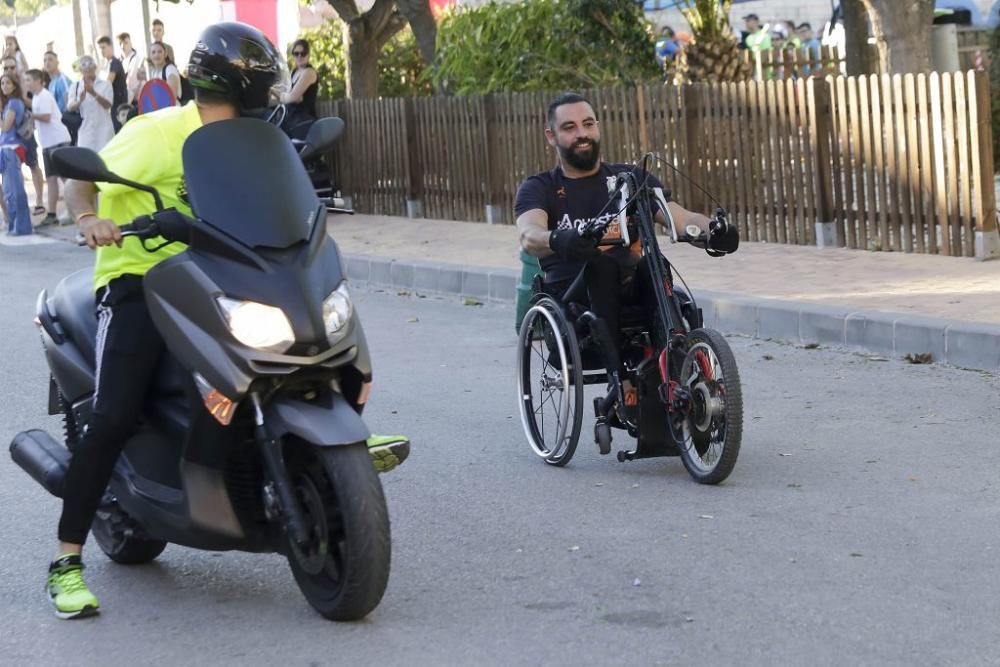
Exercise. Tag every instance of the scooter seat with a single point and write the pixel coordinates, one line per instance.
(74, 307)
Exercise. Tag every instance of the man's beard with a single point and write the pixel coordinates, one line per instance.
(582, 161)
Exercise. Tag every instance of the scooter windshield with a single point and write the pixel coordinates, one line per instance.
(244, 178)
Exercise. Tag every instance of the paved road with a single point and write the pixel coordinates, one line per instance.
(858, 528)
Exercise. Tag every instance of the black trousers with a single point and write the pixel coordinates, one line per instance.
(608, 284)
(128, 351)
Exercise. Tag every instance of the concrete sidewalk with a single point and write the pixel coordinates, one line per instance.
(888, 304)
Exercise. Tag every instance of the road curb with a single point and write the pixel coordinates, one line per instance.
(972, 345)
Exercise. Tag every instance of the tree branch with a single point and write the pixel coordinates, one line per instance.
(346, 9)
(395, 23)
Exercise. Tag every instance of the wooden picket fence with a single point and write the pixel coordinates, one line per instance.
(900, 162)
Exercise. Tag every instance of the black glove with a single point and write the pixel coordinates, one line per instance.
(569, 245)
(723, 238)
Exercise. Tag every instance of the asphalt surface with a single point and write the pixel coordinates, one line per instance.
(859, 526)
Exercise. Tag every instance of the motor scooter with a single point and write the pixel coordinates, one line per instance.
(252, 436)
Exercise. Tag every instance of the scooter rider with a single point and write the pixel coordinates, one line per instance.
(233, 69)
(551, 205)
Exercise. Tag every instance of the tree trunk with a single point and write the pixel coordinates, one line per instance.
(101, 14)
(78, 27)
(418, 14)
(860, 57)
(364, 36)
(362, 61)
(902, 31)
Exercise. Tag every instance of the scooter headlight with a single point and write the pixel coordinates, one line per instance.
(337, 311)
(258, 326)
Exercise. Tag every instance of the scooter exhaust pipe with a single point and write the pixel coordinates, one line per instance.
(43, 457)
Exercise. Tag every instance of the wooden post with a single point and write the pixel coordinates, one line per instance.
(640, 96)
(987, 240)
(693, 143)
(493, 163)
(414, 170)
(821, 137)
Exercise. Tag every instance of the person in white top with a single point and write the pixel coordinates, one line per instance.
(133, 65)
(51, 133)
(92, 97)
(13, 49)
(161, 67)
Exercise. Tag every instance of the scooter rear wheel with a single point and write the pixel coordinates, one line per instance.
(112, 531)
(344, 568)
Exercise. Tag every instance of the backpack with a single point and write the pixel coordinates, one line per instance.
(26, 129)
(187, 90)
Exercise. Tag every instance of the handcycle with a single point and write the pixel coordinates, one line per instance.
(678, 392)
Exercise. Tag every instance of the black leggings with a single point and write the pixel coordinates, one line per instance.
(128, 350)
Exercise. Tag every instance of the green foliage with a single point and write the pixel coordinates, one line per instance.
(544, 45)
(400, 65)
(26, 9)
(709, 19)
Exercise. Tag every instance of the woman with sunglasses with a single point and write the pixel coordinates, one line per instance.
(300, 100)
(11, 154)
(162, 67)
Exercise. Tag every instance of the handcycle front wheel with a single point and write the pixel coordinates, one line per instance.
(549, 382)
(709, 436)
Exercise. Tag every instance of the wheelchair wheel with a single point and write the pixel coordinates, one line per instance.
(550, 382)
(709, 437)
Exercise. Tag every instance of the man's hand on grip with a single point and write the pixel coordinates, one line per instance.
(569, 245)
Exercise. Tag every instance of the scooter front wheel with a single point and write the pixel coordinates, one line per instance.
(344, 567)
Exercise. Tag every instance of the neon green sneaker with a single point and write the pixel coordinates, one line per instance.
(68, 593)
(388, 451)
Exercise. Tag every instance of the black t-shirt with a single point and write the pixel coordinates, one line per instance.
(571, 202)
(119, 87)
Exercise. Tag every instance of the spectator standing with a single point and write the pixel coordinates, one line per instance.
(59, 83)
(92, 97)
(132, 64)
(30, 153)
(756, 40)
(52, 134)
(809, 42)
(793, 41)
(15, 198)
(12, 49)
(156, 28)
(300, 100)
(666, 47)
(115, 75)
(161, 67)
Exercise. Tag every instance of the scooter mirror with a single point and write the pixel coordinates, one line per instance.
(321, 137)
(81, 164)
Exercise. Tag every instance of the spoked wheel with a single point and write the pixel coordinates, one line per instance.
(344, 567)
(550, 382)
(709, 436)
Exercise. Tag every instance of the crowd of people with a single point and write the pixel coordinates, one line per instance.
(46, 109)
(755, 37)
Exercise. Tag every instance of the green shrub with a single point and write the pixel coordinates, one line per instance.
(401, 67)
(544, 45)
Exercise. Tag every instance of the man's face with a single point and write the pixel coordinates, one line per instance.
(575, 133)
(89, 74)
(107, 51)
(126, 45)
(752, 25)
(51, 63)
(9, 66)
(157, 33)
(805, 34)
(34, 85)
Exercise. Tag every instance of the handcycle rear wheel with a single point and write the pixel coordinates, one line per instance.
(709, 436)
(550, 382)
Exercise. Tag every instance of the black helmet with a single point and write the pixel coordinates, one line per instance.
(239, 62)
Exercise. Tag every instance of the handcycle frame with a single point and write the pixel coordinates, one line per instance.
(650, 402)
